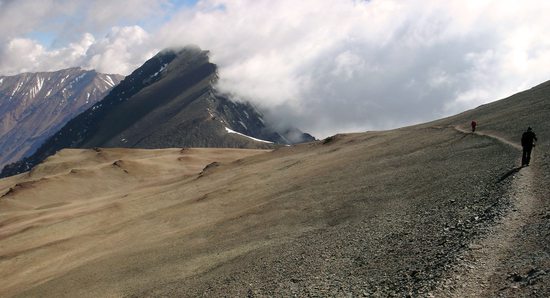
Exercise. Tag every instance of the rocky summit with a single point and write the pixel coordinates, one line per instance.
(170, 101)
(33, 106)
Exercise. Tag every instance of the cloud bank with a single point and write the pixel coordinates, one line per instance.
(325, 66)
(74, 26)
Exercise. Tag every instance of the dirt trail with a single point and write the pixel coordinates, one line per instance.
(481, 133)
(484, 258)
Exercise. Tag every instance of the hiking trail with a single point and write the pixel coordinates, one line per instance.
(483, 259)
(481, 133)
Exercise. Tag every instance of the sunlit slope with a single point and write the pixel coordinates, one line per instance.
(375, 213)
(511, 116)
(119, 222)
(82, 204)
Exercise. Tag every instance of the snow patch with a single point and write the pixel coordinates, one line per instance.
(111, 81)
(63, 79)
(79, 77)
(49, 92)
(246, 114)
(36, 88)
(1, 80)
(160, 70)
(108, 80)
(232, 131)
(243, 125)
(17, 88)
(39, 83)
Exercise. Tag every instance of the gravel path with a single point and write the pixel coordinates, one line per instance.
(485, 256)
(481, 133)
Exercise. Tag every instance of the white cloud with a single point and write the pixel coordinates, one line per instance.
(85, 33)
(335, 65)
(104, 13)
(347, 64)
(13, 59)
(21, 16)
(325, 66)
(121, 51)
(68, 20)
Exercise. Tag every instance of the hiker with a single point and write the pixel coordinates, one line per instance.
(528, 140)
(474, 124)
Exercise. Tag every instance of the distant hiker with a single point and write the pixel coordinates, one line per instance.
(528, 140)
(474, 124)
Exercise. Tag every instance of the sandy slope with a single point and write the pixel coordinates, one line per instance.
(81, 205)
(331, 217)
(415, 211)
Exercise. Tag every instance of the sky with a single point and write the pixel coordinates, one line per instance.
(324, 66)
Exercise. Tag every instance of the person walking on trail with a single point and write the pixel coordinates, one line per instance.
(474, 124)
(528, 140)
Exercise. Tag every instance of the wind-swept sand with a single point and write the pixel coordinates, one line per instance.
(81, 205)
(374, 214)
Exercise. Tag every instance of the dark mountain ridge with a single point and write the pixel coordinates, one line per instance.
(170, 101)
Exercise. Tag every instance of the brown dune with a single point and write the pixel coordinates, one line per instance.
(376, 214)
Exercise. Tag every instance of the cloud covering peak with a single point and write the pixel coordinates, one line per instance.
(324, 66)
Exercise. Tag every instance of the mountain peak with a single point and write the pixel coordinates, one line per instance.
(34, 106)
(170, 101)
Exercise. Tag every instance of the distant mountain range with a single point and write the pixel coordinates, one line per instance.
(170, 101)
(33, 106)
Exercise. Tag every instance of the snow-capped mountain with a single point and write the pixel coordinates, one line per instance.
(33, 106)
(170, 101)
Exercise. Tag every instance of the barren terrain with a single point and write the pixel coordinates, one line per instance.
(422, 210)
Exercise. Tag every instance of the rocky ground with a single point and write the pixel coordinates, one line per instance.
(427, 210)
(400, 239)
